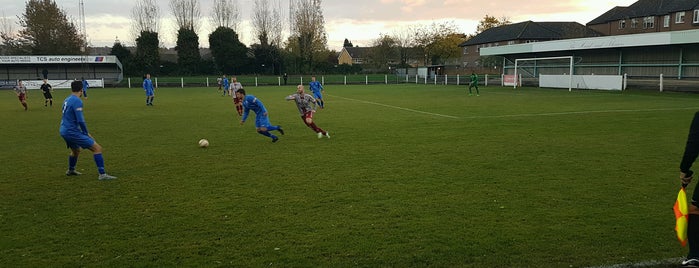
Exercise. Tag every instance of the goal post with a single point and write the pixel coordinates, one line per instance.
(570, 68)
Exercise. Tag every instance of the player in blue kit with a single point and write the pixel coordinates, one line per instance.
(150, 91)
(262, 123)
(226, 86)
(85, 86)
(74, 132)
(317, 90)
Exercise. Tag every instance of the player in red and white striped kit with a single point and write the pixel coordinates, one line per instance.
(306, 105)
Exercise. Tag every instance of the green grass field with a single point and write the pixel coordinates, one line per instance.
(412, 176)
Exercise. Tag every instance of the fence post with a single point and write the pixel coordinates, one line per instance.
(486, 80)
(156, 82)
(255, 80)
(661, 82)
(406, 78)
(129, 82)
(624, 83)
(345, 80)
(207, 81)
(182, 82)
(366, 79)
(446, 78)
(279, 81)
(386, 78)
(458, 80)
(322, 80)
(102, 82)
(416, 79)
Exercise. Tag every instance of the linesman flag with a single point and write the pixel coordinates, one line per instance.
(681, 211)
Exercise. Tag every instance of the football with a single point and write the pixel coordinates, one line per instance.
(203, 143)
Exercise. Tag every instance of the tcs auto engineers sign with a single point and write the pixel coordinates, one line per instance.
(56, 59)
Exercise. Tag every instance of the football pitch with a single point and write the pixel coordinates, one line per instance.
(412, 176)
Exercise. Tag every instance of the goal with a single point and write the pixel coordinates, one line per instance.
(531, 67)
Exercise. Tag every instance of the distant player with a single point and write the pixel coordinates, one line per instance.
(317, 90)
(226, 85)
(74, 132)
(235, 86)
(218, 81)
(21, 92)
(150, 91)
(473, 83)
(86, 86)
(262, 123)
(306, 105)
(47, 89)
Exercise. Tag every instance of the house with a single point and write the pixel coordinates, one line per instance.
(518, 33)
(646, 16)
(353, 55)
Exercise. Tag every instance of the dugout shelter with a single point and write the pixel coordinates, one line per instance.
(67, 67)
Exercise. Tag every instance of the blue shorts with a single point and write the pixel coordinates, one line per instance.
(317, 95)
(149, 93)
(262, 121)
(78, 140)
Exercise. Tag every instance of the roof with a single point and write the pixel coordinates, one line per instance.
(645, 8)
(358, 52)
(604, 42)
(529, 30)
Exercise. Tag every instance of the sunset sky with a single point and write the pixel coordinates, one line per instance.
(360, 21)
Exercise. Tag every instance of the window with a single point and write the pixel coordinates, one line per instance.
(696, 16)
(634, 23)
(648, 22)
(622, 24)
(666, 21)
(679, 17)
(465, 50)
(511, 42)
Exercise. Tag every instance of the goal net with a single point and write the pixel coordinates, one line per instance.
(532, 68)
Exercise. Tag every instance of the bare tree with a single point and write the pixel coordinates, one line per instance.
(145, 17)
(267, 23)
(308, 31)
(225, 14)
(404, 41)
(187, 14)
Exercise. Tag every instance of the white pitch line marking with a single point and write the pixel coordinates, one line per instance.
(397, 107)
(521, 115)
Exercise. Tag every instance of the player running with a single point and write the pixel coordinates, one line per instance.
(262, 123)
(21, 92)
(235, 86)
(306, 105)
(74, 132)
(317, 90)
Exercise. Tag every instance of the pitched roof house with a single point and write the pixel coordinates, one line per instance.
(646, 16)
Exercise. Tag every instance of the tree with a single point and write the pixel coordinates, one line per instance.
(347, 43)
(46, 31)
(187, 13)
(434, 39)
(404, 41)
(266, 23)
(145, 17)
(228, 52)
(383, 51)
(308, 33)
(225, 14)
(489, 22)
(124, 55)
(147, 53)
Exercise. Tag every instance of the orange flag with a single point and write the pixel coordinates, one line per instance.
(681, 211)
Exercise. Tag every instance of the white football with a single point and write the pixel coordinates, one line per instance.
(203, 143)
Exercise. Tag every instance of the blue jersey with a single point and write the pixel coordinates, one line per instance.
(148, 87)
(73, 121)
(85, 85)
(252, 103)
(316, 87)
(225, 83)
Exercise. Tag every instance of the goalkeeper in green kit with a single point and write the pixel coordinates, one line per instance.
(473, 83)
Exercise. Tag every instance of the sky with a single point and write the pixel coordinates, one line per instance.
(359, 21)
